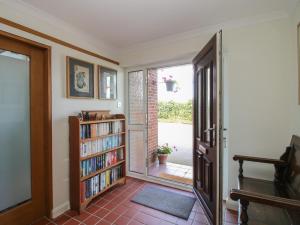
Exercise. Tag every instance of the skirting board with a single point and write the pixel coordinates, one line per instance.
(59, 210)
(231, 205)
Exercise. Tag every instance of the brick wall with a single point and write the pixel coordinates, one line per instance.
(152, 115)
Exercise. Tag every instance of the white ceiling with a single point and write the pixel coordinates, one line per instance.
(124, 23)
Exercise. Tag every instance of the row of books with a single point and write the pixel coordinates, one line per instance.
(94, 164)
(100, 145)
(99, 129)
(96, 184)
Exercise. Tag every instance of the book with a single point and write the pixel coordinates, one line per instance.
(98, 183)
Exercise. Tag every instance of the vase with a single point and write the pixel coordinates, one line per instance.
(170, 85)
(162, 158)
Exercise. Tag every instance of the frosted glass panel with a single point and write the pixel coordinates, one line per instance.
(136, 98)
(15, 164)
(137, 152)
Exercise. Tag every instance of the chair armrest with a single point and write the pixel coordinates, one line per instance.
(264, 199)
(260, 160)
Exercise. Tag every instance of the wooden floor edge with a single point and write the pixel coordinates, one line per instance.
(54, 39)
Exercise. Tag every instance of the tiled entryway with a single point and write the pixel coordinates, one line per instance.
(115, 207)
(176, 171)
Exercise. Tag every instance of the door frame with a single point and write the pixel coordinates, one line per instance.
(176, 62)
(48, 111)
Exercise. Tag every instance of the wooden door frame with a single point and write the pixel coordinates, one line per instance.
(48, 111)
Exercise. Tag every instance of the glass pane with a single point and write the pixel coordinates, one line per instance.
(208, 99)
(199, 103)
(15, 164)
(137, 151)
(136, 98)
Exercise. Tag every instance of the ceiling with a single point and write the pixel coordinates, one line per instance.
(124, 23)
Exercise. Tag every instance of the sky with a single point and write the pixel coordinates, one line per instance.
(184, 76)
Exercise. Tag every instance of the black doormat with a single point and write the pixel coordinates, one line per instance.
(166, 201)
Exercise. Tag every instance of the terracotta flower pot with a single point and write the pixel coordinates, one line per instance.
(162, 158)
(170, 85)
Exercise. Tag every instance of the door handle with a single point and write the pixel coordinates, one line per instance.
(209, 129)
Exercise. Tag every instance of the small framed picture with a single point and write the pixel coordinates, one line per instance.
(80, 78)
(107, 83)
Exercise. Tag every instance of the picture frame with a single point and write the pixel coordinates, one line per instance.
(80, 78)
(107, 83)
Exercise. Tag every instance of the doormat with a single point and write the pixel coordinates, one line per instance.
(166, 201)
(176, 178)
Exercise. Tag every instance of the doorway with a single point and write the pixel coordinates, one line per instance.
(170, 96)
(207, 124)
(25, 130)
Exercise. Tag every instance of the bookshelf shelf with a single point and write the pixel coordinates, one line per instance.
(101, 153)
(99, 137)
(87, 201)
(97, 156)
(101, 121)
(101, 171)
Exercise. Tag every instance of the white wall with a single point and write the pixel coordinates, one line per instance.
(261, 111)
(61, 106)
(262, 92)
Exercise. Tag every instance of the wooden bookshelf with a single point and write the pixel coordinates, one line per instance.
(97, 162)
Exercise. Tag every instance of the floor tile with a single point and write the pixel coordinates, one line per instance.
(103, 222)
(72, 222)
(91, 220)
(135, 222)
(122, 220)
(82, 216)
(61, 219)
(101, 213)
(111, 217)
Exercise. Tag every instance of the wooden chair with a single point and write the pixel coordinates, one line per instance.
(275, 202)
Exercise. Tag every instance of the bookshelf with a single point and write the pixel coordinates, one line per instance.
(97, 155)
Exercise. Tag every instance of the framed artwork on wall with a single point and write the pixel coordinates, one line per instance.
(80, 78)
(107, 83)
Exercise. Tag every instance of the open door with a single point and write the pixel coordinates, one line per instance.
(206, 129)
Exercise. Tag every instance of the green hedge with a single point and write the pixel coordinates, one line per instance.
(175, 112)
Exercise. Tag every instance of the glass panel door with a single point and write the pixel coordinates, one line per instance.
(137, 121)
(15, 156)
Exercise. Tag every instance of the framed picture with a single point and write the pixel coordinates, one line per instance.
(107, 83)
(80, 79)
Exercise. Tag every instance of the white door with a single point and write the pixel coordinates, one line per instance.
(137, 121)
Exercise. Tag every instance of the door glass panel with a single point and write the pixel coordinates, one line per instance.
(137, 152)
(136, 123)
(208, 99)
(15, 164)
(199, 103)
(136, 98)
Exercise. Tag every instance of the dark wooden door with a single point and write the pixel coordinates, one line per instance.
(205, 128)
(25, 106)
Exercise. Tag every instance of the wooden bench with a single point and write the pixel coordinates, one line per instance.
(275, 202)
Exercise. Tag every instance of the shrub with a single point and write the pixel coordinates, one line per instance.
(175, 112)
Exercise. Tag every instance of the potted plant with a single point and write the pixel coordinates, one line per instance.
(163, 151)
(170, 83)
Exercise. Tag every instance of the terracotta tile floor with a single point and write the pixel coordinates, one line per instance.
(114, 207)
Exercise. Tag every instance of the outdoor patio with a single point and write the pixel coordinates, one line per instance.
(172, 171)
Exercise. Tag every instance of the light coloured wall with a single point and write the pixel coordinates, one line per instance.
(262, 94)
(61, 106)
